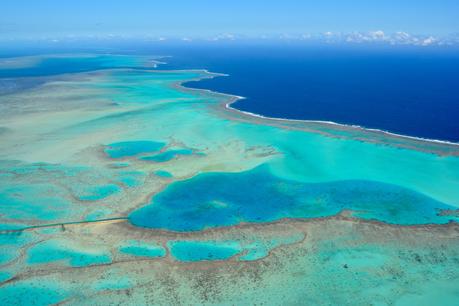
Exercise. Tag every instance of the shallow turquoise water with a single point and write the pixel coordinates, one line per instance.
(11, 243)
(38, 193)
(51, 65)
(223, 199)
(113, 283)
(131, 178)
(43, 293)
(51, 251)
(4, 276)
(7, 256)
(97, 214)
(120, 165)
(203, 250)
(260, 249)
(32, 201)
(163, 173)
(252, 249)
(99, 192)
(132, 148)
(168, 155)
(139, 248)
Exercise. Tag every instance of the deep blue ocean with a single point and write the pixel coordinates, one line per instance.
(409, 91)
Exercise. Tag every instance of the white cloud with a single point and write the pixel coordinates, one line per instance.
(224, 36)
(379, 36)
(428, 41)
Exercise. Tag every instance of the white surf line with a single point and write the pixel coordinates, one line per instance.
(228, 106)
(236, 98)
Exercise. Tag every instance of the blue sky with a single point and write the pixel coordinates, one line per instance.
(40, 18)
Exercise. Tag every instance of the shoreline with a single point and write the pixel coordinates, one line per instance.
(231, 99)
(156, 61)
(228, 106)
(236, 98)
(450, 148)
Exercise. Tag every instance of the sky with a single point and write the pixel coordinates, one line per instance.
(35, 19)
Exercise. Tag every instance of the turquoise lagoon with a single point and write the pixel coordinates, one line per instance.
(225, 199)
(214, 250)
(122, 145)
(132, 148)
(164, 174)
(167, 156)
(139, 248)
(32, 293)
(55, 251)
(71, 63)
(207, 250)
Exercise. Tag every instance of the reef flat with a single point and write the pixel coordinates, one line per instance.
(120, 185)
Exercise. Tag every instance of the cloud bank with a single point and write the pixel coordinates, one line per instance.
(370, 37)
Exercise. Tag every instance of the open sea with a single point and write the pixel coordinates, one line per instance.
(406, 91)
(403, 90)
